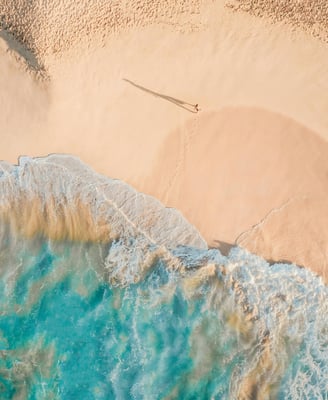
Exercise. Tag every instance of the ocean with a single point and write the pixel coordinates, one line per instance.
(107, 294)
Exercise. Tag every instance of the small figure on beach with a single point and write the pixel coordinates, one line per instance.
(196, 106)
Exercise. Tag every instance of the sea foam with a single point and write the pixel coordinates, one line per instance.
(107, 294)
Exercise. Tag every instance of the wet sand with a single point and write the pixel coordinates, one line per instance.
(118, 91)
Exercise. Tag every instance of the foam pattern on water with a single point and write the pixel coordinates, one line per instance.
(149, 313)
(61, 197)
(216, 328)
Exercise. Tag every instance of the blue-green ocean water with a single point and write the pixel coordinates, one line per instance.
(66, 332)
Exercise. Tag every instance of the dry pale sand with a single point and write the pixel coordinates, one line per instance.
(117, 90)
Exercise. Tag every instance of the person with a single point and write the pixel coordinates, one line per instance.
(196, 106)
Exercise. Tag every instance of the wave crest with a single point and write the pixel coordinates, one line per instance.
(61, 198)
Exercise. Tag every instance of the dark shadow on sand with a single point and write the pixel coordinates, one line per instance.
(21, 50)
(180, 103)
(281, 261)
(224, 247)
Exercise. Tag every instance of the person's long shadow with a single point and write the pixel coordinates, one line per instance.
(180, 103)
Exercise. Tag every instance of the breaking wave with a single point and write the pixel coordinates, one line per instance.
(105, 293)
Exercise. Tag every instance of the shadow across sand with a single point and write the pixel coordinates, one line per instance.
(224, 247)
(21, 51)
(271, 261)
(180, 103)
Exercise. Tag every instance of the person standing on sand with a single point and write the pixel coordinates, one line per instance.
(196, 106)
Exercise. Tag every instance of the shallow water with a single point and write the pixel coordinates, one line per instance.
(144, 315)
(66, 333)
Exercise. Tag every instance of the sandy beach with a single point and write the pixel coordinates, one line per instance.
(163, 199)
(117, 89)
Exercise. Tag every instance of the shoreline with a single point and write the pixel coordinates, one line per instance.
(60, 198)
(259, 141)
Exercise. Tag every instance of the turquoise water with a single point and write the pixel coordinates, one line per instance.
(66, 333)
(151, 312)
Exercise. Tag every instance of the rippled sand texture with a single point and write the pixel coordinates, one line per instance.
(50, 27)
(115, 83)
(309, 15)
